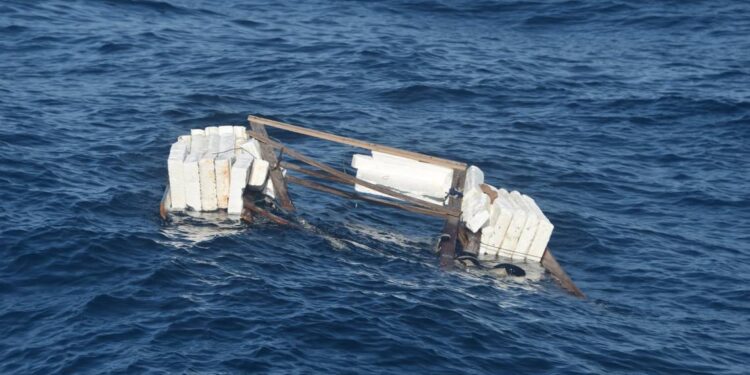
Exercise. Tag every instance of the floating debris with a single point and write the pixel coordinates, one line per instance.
(230, 168)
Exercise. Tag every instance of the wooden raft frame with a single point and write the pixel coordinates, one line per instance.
(451, 211)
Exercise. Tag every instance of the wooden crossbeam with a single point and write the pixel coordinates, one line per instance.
(362, 197)
(357, 143)
(354, 180)
(550, 264)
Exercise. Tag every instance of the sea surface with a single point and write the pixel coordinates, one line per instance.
(627, 121)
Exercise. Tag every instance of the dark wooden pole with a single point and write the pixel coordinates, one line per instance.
(550, 264)
(447, 242)
(353, 180)
(279, 185)
(357, 143)
(351, 195)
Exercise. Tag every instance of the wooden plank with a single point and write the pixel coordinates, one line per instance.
(447, 242)
(358, 143)
(362, 197)
(550, 263)
(311, 173)
(353, 180)
(279, 185)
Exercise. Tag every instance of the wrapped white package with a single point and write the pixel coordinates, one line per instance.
(208, 171)
(529, 227)
(543, 232)
(197, 132)
(434, 171)
(176, 170)
(239, 177)
(223, 165)
(417, 179)
(198, 147)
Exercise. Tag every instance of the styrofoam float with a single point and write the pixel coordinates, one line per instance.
(512, 225)
(210, 168)
(424, 181)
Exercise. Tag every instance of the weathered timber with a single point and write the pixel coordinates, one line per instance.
(352, 195)
(250, 208)
(277, 178)
(550, 264)
(358, 143)
(454, 211)
(311, 173)
(447, 244)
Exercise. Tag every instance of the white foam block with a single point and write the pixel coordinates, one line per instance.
(259, 173)
(226, 129)
(529, 227)
(474, 178)
(198, 147)
(252, 147)
(239, 177)
(240, 138)
(209, 201)
(475, 211)
(543, 233)
(197, 132)
(240, 132)
(212, 130)
(493, 234)
(222, 166)
(176, 170)
(435, 171)
(186, 140)
(510, 240)
(420, 180)
(269, 190)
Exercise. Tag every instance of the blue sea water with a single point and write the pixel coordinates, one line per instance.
(627, 121)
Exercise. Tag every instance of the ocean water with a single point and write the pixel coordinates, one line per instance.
(628, 122)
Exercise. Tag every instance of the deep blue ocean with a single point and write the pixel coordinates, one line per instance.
(627, 121)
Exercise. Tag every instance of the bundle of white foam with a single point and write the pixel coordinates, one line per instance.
(512, 224)
(210, 168)
(420, 180)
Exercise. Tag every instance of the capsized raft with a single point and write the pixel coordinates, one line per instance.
(227, 167)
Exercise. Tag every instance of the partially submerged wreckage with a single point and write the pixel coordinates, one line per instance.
(229, 167)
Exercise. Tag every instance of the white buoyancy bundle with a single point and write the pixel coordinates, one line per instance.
(512, 225)
(210, 168)
(424, 181)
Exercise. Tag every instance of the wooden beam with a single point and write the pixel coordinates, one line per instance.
(353, 180)
(357, 143)
(362, 197)
(447, 242)
(550, 264)
(279, 185)
(311, 173)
